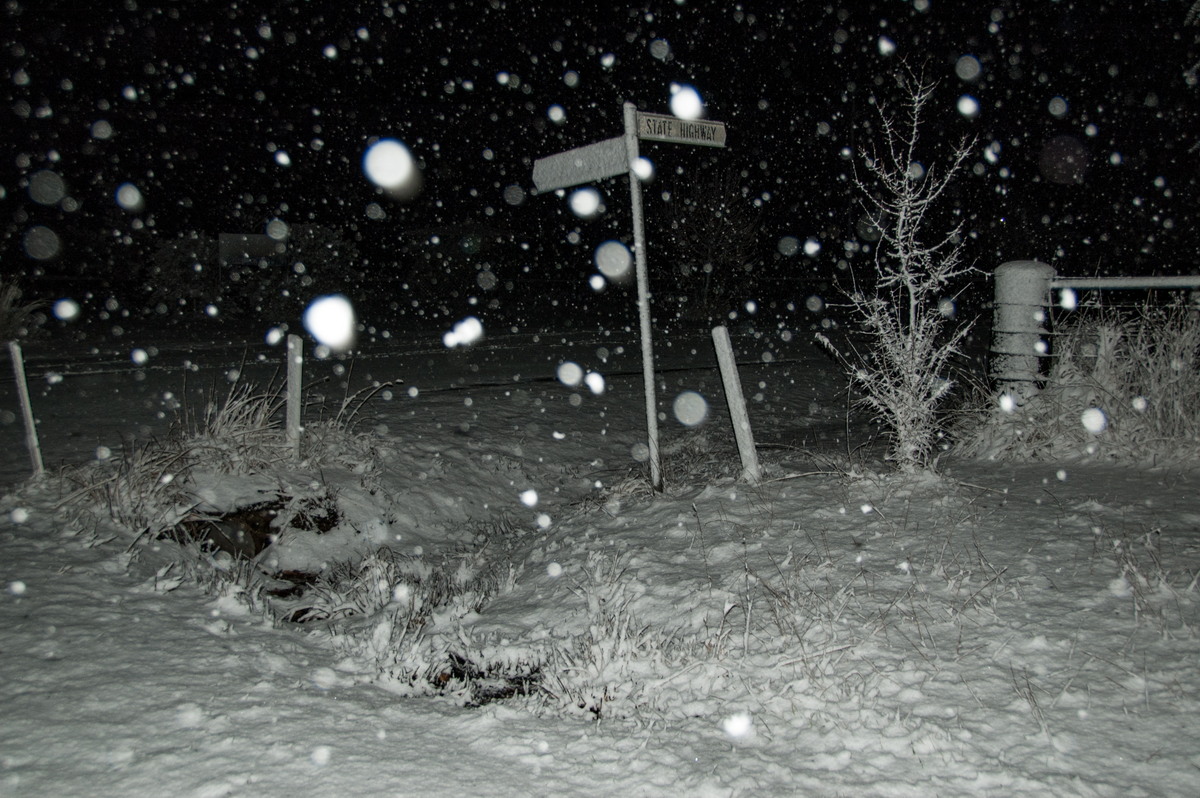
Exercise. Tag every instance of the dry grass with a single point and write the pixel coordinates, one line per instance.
(14, 316)
(1141, 370)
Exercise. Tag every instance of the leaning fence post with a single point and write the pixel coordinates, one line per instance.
(31, 436)
(295, 366)
(1018, 332)
(737, 406)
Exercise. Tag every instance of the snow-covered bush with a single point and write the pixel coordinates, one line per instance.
(1121, 387)
(906, 309)
(153, 486)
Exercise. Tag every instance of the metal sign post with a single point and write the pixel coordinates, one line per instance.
(610, 158)
(643, 293)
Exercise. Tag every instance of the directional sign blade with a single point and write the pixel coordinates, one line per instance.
(660, 127)
(597, 161)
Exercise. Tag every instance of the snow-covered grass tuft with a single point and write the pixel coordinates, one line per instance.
(151, 487)
(143, 489)
(1160, 597)
(399, 619)
(1122, 388)
(616, 667)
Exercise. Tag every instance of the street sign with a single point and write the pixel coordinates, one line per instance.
(660, 127)
(607, 158)
(610, 158)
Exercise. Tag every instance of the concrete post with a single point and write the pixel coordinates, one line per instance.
(1018, 329)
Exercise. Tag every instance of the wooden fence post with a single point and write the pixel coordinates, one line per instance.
(31, 436)
(295, 381)
(737, 406)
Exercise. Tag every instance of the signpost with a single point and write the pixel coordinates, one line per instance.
(610, 158)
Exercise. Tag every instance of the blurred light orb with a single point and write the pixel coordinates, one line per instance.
(811, 247)
(644, 169)
(129, 197)
(968, 68)
(686, 102)
(886, 46)
(613, 260)
(46, 188)
(1094, 420)
(514, 195)
(788, 246)
(389, 165)
(330, 320)
(66, 309)
(529, 497)
(968, 106)
(487, 280)
(739, 726)
(277, 229)
(1057, 107)
(690, 408)
(570, 374)
(557, 114)
(585, 202)
(595, 382)
(41, 243)
(464, 333)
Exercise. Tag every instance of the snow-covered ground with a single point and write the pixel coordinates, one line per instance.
(837, 630)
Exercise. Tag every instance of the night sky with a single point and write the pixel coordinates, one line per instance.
(226, 117)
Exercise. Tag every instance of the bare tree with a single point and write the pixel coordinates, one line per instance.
(906, 313)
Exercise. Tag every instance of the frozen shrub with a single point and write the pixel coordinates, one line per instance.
(911, 337)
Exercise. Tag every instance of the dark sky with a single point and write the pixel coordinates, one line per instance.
(226, 116)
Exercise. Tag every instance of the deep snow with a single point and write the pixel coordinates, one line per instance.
(1002, 630)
